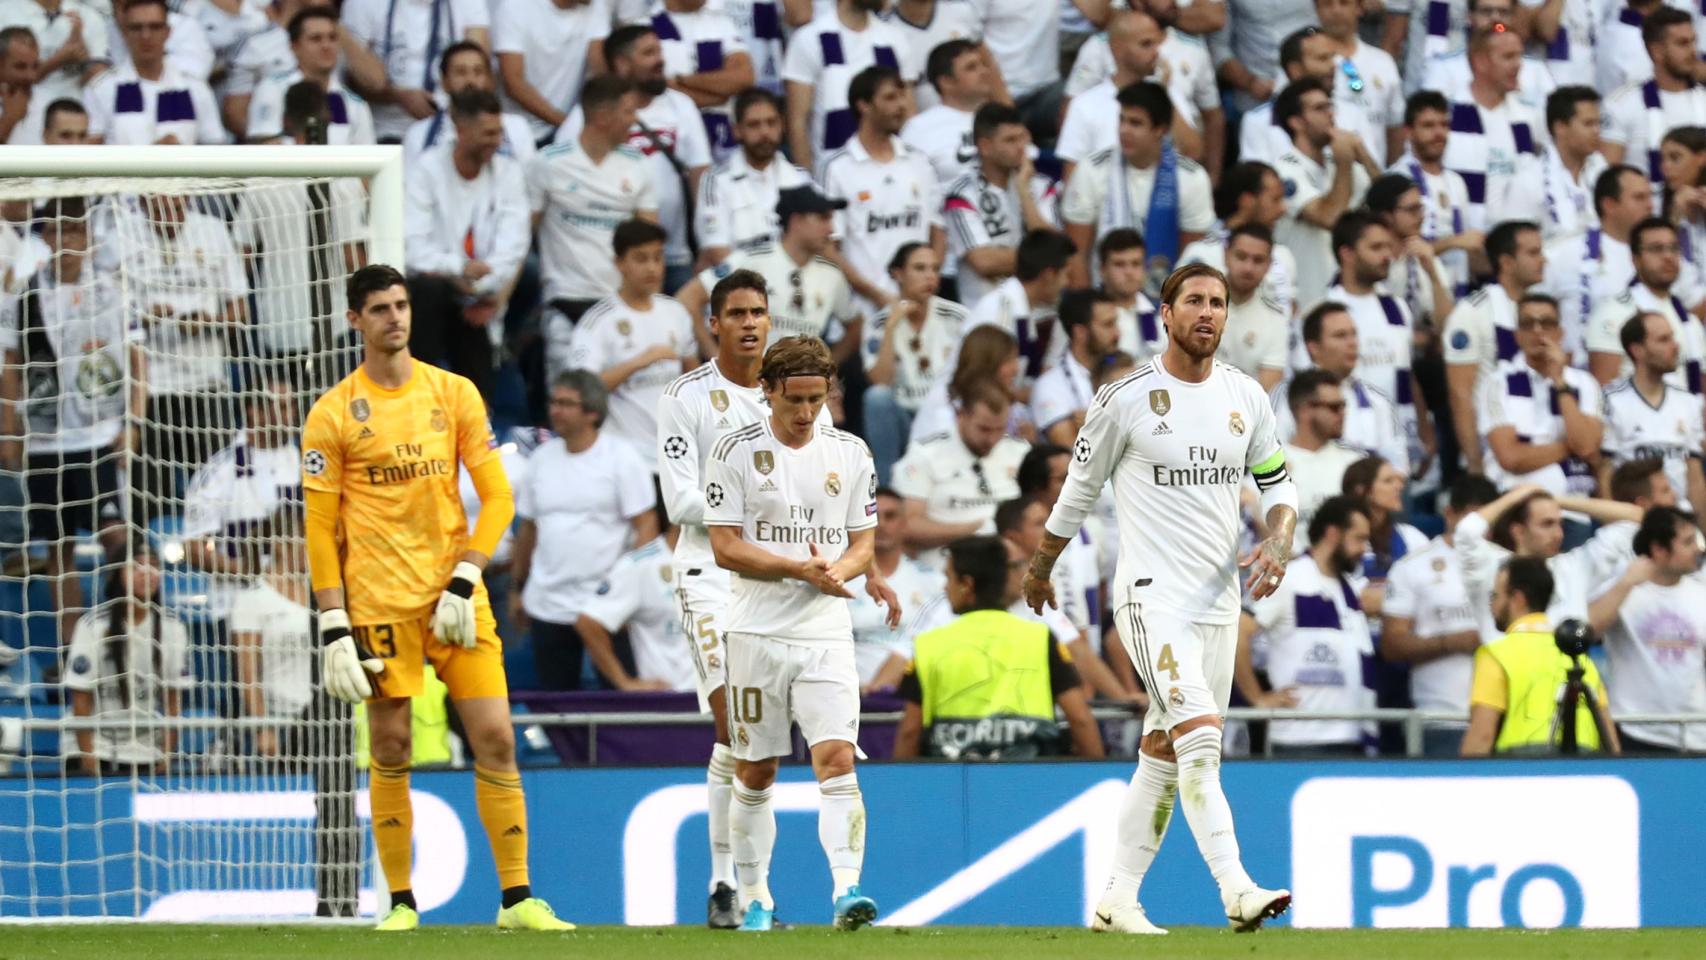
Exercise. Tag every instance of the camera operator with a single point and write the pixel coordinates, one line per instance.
(1513, 700)
(1655, 618)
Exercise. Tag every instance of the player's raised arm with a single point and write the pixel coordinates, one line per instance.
(1099, 446)
(1266, 462)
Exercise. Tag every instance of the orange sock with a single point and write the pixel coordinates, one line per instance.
(393, 823)
(503, 812)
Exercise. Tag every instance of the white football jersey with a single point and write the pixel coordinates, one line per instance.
(1177, 454)
(611, 333)
(1427, 588)
(698, 409)
(1518, 397)
(1672, 431)
(1655, 660)
(956, 486)
(812, 299)
(789, 501)
(1606, 323)
(923, 356)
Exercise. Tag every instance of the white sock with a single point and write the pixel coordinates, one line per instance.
(1144, 815)
(752, 830)
(1206, 810)
(841, 829)
(719, 785)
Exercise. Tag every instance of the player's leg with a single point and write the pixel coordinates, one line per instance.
(825, 696)
(1197, 744)
(759, 674)
(390, 746)
(1147, 807)
(701, 602)
(480, 692)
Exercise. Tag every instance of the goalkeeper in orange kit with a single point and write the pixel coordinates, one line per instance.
(380, 457)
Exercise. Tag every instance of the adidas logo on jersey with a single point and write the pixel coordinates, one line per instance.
(766, 485)
(364, 434)
(515, 831)
(722, 423)
(389, 822)
(1162, 430)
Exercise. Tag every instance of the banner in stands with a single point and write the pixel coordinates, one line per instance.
(1395, 844)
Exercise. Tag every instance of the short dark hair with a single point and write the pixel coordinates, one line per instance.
(1291, 48)
(1334, 512)
(1530, 577)
(940, 62)
(1288, 106)
(299, 20)
(741, 279)
(1118, 240)
(1654, 26)
(1078, 307)
(1305, 383)
(984, 561)
(1609, 186)
(636, 233)
(604, 91)
(622, 40)
(1535, 296)
(1424, 100)
(992, 117)
(1008, 513)
(1633, 333)
(303, 101)
(369, 280)
(756, 96)
(1317, 317)
(130, 5)
(1251, 229)
(1041, 250)
(903, 252)
(1633, 479)
(1385, 192)
(1561, 104)
(63, 105)
(1501, 240)
(459, 47)
(1648, 225)
(1472, 491)
(865, 84)
(1659, 528)
(1033, 473)
(1151, 98)
(474, 102)
(1349, 228)
(1243, 178)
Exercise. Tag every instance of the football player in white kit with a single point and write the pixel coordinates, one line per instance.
(695, 411)
(1177, 437)
(790, 506)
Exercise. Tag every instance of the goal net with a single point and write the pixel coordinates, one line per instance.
(164, 750)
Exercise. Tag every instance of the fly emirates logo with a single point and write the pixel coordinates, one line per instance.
(1203, 471)
(800, 530)
(412, 463)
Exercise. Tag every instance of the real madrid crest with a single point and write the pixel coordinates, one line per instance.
(832, 484)
(763, 461)
(1160, 402)
(720, 400)
(439, 421)
(359, 409)
(624, 328)
(1235, 423)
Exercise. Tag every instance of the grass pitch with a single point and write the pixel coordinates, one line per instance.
(120, 941)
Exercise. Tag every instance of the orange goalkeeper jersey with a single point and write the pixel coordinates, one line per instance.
(392, 457)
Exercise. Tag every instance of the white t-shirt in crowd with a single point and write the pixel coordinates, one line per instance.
(514, 460)
(915, 585)
(1427, 588)
(639, 595)
(923, 356)
(192, 271)
(580, 203)
(90, 333)
(407, 36)
(581, 505)
(232, 498)
(1518, 397)
(553, 41)
(287, 646)
(613, 332)
(955, 485)
(1316, 637)
(1320, 476)
(826, 55)
(1656, 664)
(791, 501)
(126, 110)
(1255, 335)
(1305, 181)
(352, 119)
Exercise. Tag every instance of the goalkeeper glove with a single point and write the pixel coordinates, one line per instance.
(453, 621)
(343, 666)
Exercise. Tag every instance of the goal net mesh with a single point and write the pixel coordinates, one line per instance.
(164, 751)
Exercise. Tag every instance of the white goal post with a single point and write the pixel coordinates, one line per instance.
(167, 313)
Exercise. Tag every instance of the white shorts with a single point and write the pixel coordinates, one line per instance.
(1185, 666)
(703, 599)
(773, 685)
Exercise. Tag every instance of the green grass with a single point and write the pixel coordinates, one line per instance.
(138, 942)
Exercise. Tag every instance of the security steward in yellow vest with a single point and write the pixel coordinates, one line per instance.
(1519, 678)
(985, 686)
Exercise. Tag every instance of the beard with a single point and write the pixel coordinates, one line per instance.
(653, 86)
(870, 6)
(1347, 563)
(1189, 347)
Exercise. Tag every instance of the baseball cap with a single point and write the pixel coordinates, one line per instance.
(804, 199)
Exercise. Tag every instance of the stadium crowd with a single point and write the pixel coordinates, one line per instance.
(1465, 242)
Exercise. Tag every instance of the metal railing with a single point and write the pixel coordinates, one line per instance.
(1414, 721)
